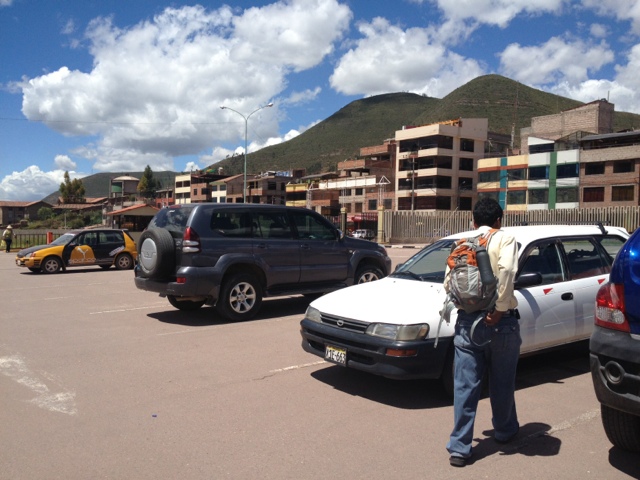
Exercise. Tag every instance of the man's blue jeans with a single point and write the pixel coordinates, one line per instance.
(499, 358)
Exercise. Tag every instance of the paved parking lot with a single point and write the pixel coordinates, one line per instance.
(99, 380)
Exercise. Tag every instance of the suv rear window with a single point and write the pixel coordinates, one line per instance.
(174, 219)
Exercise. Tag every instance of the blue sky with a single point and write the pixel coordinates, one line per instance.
(110, 86)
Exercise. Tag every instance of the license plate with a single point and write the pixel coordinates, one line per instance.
(335, 355)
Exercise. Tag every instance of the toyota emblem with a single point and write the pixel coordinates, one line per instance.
(340, 323)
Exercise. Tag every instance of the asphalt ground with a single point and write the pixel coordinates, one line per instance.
(100, 380)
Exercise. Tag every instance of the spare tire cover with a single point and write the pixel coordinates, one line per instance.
(156, 253)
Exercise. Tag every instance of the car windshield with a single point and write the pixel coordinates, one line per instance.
(428, 264)
(63, 239)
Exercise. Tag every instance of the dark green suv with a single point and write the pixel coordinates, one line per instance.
(234, 255)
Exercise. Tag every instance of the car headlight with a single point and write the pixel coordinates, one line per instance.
(313, 314)
(399, 332)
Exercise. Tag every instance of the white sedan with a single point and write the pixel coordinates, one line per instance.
(388, 327)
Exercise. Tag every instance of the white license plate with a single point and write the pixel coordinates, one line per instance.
(335, 355)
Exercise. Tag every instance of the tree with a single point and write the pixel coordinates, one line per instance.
(148, 185)
(72, 191)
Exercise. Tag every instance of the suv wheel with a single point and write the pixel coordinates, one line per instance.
(185, 305)
(368, 273)
(622, 428)
(156, 254)
(240, 297)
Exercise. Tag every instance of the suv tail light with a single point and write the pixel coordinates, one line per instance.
(610, 311)
(190, 241)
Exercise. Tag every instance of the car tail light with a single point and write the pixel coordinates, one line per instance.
(190, 241)
(610, 311)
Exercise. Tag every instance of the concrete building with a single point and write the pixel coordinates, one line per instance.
(435, 164)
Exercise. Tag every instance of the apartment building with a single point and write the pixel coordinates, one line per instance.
(435, 164)
(268, 187)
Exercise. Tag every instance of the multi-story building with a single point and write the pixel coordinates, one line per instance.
(577, 170)
(183, 188)
(268, 187)
(436, 164)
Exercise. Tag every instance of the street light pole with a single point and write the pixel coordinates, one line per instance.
(246, 128)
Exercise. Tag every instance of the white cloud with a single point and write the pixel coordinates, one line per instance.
(625, 10)
(598, 30)
(5, 3)
(29, 184)
(496, 12)
(389, 59)
(63, 162)
(297, 98)
(155, 88)
(557, 60)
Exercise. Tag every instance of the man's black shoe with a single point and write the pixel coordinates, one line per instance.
(457, 461)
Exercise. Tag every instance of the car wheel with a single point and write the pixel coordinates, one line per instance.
(240, 297)
(156, 253)
(368, 273)
(622, 428)
(185, 305)
(124, 262)
(51, 265)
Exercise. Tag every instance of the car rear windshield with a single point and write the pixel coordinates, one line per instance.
(173, 219)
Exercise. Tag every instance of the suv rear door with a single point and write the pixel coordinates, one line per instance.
(275, 246)
(323, 257)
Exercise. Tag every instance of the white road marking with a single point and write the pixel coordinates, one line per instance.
(297, 367)
(120, 310)
(15, 368)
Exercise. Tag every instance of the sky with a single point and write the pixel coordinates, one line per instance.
(111, 86)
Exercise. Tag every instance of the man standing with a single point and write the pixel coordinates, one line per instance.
(495, 345)
(7, 236)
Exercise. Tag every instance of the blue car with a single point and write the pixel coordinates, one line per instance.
(615, 348)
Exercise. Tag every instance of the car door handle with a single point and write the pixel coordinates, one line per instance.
(305, 246)
(261, 245)
(567, 296)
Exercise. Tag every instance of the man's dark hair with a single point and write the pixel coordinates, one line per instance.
(486, 212)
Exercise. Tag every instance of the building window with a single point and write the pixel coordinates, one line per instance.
(541, 148)
(223, 188)
(539, 196)
(593, 194)
(490, 176)
(467, 145)
(466, 164)
(492, 195)
(372, 204)
(568, 170)
(622, 193)
(359, 191)
(567, 195)
(388, 203)
(195, 192)
(596, 168)
(623, 166)
(517, 197)
(214, 188)
(538, 173)
(514, 174)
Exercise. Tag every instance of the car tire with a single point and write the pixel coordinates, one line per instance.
(622, 428)
(123, 261)
(368, 273)
(51, 265)
(156, 254)
(240, 297)
(185, 305)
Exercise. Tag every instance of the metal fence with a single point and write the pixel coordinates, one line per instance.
(425, 227)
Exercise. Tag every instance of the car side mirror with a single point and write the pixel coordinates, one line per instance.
(339, 234)
(528, 280)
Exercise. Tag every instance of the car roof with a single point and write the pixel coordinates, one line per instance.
(529, 233)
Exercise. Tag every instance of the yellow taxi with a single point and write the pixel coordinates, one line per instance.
(81, 248)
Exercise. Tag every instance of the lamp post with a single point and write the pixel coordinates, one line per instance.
(246, 125)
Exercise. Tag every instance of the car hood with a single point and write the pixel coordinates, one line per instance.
(389, 300)
(26, 251)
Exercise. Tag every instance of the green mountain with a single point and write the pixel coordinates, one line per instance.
(506, 103)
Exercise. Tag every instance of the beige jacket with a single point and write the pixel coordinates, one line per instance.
(503, 252)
